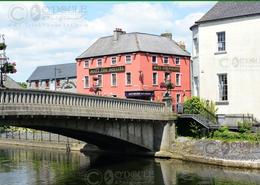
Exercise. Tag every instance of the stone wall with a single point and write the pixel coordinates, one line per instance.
(233, 154)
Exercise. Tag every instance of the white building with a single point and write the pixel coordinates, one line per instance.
(61, 77)
(226, 57)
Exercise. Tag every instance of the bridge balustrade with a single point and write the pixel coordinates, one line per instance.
(18, 101)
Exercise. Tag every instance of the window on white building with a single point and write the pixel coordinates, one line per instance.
(154, 59)
(100, 80)
(99, 62)
(86, 64)
(128, 78)
(223, 87)
(128, 59)
(113, 60)
(178, 79)
(177, 61)
(166, 60)
(196, 46)
(113, 79)
(221, 41)
(86, 82)
(155, 78)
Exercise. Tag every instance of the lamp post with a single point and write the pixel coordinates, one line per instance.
(5, 66)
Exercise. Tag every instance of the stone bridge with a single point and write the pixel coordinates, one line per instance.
(114, 124)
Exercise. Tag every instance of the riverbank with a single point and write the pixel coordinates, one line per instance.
(43, 144)
(221, 153)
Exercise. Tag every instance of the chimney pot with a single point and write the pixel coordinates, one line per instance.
(182, 45)
(117, 33)
(167, 35)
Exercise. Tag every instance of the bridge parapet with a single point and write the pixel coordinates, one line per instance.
(36, 102)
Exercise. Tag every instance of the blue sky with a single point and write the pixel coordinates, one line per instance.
(45, 33)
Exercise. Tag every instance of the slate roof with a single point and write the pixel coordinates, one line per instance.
(10, 83)
(133, 42)
(225, 10)
(63, 71)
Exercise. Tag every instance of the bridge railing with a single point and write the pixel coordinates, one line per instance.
(80, 104)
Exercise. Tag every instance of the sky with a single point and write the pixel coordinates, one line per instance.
(49, 33)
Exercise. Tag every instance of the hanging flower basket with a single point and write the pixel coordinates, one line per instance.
(2, 46)
(9, 68)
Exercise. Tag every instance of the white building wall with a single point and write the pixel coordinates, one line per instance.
(241, 62)
(67, 85)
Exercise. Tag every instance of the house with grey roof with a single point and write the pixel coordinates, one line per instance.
(10, 83)
(226, 58)
(133, 65)
(60, 77)
(135, 42)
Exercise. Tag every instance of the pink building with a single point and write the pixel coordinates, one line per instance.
(133, 65)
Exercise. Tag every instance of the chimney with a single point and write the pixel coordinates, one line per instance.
(117, 33)
(182, 45)
(167, 35)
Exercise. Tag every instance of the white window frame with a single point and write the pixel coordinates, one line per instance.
(156, 78)
(179, 63)
(221, 94)
(112, 60)
(221, 42)
(126, 59)
(165, 76)
(98, 85)
(113, 85)
(84, 79)
(126, 78)
(86, 67)
(164, 59)
(155, 59)
(176, 79)
(99, 59)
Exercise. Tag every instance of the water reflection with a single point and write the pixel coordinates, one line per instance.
(40, 166)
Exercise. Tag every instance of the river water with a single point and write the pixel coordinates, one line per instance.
(30, 166)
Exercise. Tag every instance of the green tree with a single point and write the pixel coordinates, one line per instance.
(23, 85)
(196, 105)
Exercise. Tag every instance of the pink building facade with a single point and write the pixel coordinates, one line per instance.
(134, 71)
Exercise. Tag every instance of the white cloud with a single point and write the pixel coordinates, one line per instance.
(59, 37)
(195, 4)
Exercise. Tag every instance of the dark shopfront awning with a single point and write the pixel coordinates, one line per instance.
(139, 94)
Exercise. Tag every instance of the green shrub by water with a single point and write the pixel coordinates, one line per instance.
(196, 105)
(244, 134)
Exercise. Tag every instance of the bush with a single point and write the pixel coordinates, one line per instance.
(193, 106)
(245, 126)
(206, 108)
(195, 130)
(223, 133)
